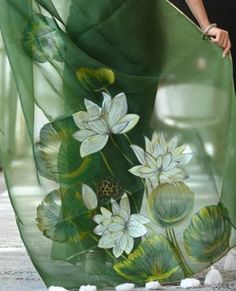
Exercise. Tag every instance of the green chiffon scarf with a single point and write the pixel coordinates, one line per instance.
(117, 139)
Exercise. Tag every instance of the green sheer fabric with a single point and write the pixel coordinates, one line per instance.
(117, 139)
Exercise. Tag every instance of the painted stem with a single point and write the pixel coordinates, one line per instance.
(188, 271)
(107, 164)
(119, 149)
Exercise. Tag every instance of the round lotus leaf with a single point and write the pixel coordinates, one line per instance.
(58, 156)
(170, 203)
(43, 40)
(207, 236)
(154, 259)
(62, 216)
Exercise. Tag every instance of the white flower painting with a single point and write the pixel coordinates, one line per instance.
(119, 227)
(98, 123)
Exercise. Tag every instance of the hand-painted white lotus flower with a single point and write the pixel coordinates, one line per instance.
(97, 123)
(161, 159)
(89, 197)
(119, 227)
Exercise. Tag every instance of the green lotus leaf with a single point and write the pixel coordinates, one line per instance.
(43, 40)
(154, 259)
(95, 79)
(170, 203)
(62, 216)
(58, 157)
(207, 236)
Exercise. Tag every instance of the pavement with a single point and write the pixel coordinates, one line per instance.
(18, 274)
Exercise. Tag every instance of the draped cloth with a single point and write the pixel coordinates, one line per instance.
(117, 139)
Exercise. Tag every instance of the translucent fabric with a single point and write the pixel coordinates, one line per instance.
(117, 140)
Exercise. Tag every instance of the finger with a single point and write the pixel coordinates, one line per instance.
(225, 43)
(227, 48)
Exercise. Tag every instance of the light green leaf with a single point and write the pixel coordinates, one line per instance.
(43, 40)
(95, 79)
(89, 197)
(170, 203)
(62, 216)
(154, 259)
(207, 236)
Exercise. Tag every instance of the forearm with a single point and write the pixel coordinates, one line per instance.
(198, 10)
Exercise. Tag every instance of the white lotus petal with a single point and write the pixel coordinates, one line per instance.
(140, 153)
(106, 104)
(99, 126)
(129, 245)
(124, 204)
(117, 251)
(106, 242)
(171, 166)
(123, 241)
(118, 218)
(81, 118)
(100, 229)
(149, 146)
(136, 229)
(125, 124)
(142, 171)
(92, 108)
(157, 150)
(183, 159)
(116, 227)
(179, 150)
(160, 161)
(163, 143)
(82, 134)
(176, 174)
(115, 207)
(118, 109)
(89, 197)
(167, 160)
(106, 213)
(139, 218)
(150, 161)
(173, 144)
(124, 214)
(98, 218)
(93, 144)
(155, 138)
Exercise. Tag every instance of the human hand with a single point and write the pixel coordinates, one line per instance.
(221, 38)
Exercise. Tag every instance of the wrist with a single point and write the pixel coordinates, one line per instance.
(208, 28)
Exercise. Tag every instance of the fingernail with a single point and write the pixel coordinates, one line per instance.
(224, 55)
